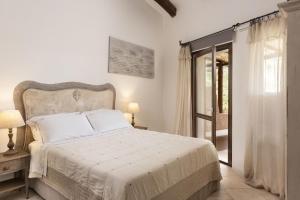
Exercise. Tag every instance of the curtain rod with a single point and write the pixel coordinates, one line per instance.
(232, 27)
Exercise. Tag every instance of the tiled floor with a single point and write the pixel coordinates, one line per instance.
(232, 188)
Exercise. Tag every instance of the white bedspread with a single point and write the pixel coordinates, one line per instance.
(125, 164)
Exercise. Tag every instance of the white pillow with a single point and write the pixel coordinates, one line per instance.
(54, 128)
(33, 125)
(106, 120)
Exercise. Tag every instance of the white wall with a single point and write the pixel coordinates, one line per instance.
(67, 40)
(198, 18)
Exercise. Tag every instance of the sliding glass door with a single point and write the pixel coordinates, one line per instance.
(211, 98)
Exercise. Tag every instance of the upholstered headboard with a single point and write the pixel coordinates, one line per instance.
(36, 99)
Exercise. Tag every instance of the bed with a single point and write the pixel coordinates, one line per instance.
(123, 164)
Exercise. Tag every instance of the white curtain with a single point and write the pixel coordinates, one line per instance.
(183, 123)
(266, 141)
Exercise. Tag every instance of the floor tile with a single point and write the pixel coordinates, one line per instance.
(234, 182)
(267, 195)
(220, 195)
(227, 171)
(244, 194)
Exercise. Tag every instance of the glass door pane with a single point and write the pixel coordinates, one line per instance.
(204, 84)
(204, 129)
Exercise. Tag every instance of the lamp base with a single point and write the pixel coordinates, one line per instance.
(132, 119)
(10, 152)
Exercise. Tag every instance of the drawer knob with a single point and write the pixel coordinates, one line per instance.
(5, 168)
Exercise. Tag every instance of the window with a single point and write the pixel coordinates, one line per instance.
(272, 63)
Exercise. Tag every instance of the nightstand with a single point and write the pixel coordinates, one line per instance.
(18, 165)
(141, 127)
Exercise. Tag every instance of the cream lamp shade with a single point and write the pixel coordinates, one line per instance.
(11, 119)
(133, 107)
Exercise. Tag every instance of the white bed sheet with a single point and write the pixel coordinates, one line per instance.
(126, 163)
(36, 167)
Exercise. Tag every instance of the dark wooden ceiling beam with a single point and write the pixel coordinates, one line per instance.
(168, 6)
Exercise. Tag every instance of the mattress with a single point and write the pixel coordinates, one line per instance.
(128, 164)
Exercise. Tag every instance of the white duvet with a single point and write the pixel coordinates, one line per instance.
(124, 164)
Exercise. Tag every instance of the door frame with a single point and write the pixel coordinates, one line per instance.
(213, 49)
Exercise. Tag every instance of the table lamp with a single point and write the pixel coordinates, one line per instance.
(133, 108)
(10, 119)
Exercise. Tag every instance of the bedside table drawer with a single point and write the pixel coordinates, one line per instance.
(11, 166)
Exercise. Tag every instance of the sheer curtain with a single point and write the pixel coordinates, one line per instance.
(183, 123)
(266, 140)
